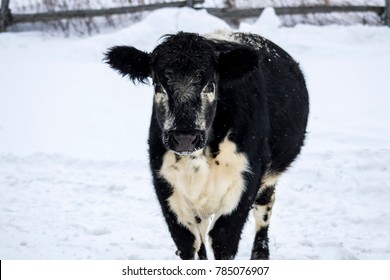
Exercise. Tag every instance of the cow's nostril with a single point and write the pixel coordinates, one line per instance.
(184, 141)
(176, 140)
(195, 140)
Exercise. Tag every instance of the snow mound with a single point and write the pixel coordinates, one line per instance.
(145, 34)
(267, 23)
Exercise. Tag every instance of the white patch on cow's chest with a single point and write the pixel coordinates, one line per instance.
(204, 186)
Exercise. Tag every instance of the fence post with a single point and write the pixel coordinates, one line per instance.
(190, 3)
(5, 15)
(387, 13)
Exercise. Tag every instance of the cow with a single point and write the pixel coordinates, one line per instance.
(229, 116)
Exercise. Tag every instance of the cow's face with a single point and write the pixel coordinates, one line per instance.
(185, 91)
(185, 109)
(186, 70)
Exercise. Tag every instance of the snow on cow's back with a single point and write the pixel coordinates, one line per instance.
(263, 45)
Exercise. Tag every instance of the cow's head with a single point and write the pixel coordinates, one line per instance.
(186, 70)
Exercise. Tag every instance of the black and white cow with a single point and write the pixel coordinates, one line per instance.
(229, 116)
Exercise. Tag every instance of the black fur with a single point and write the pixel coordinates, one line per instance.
(237, 62)
(260, 249)
(261, 100)
(265, 196)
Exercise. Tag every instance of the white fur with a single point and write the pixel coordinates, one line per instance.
(161, 99)
(227, 35)
(220, 35)
(259, 211)
(207, 98)
(269, 179)
(213, 190)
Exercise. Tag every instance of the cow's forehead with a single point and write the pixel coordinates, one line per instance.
(184, 52)
(185, 90)
(180, 65)
(178, 76)
(182, 88)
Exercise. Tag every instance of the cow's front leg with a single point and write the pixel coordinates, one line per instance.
(184, 239)
(226, 233)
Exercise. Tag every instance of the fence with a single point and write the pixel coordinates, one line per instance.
(7, 18)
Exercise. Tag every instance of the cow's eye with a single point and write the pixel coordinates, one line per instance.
(209, 88)
(159, 89)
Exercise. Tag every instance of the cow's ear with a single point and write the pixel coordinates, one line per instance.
(236, 63)
(130, 62)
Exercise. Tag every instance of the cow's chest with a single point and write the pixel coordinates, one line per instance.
(204, 185)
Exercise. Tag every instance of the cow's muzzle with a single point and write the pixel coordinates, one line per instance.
(184, 142)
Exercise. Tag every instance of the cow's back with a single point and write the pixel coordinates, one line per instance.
(286, 95)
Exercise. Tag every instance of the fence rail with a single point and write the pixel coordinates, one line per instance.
(254, 12)
(19, 18)
(7, 18)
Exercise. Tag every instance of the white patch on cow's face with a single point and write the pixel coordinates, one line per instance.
(204, 186)
(161, 101)
(160, 97)
(208, 92)
(207, 98)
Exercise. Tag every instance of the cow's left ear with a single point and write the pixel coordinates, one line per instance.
(129, 61)
(237, 62)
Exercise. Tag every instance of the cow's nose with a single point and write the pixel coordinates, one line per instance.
(184, 142)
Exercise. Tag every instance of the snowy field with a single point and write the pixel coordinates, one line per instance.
(74, 177)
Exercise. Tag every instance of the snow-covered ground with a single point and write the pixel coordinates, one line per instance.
(74, 177)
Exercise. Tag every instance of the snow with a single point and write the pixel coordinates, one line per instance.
(74, 177)
(268, 20)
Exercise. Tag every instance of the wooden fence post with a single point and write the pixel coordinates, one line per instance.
(387, 13)
(5, 15)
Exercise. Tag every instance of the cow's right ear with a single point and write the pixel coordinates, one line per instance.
(130, 62)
